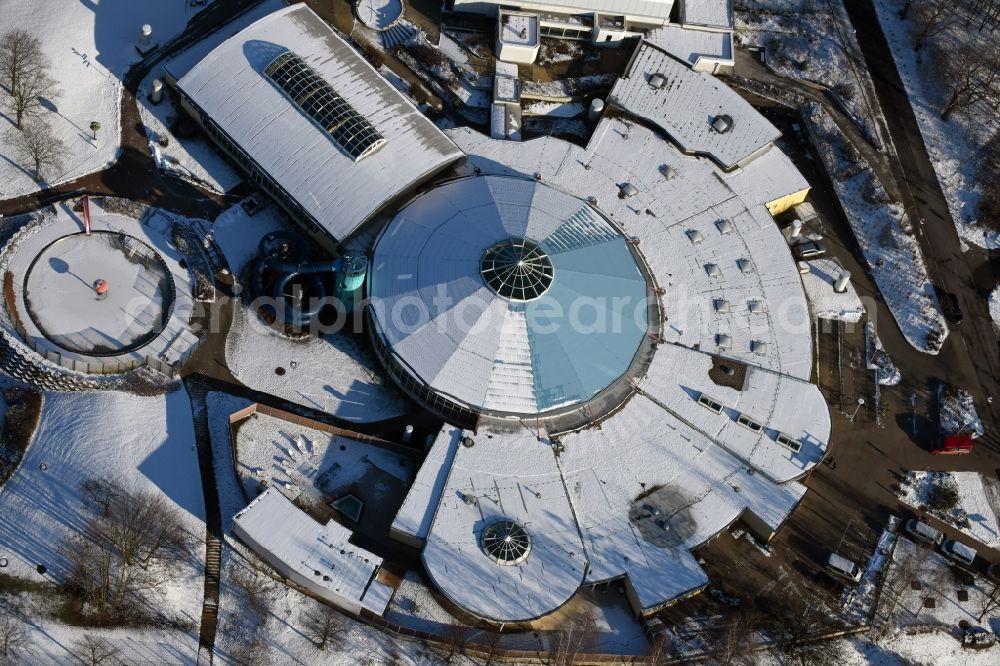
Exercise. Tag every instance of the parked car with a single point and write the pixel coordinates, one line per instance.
(952, 445)
(958, 551)
(949, 306)
(924, 532)
(842, 567)
(808, 249)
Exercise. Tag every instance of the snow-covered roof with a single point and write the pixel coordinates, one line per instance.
(232, 90)
(712, 13)
(692, 44)
(824, 301)
(658, 9)
(514, 477)
(450, 321)
(415, 515)
(689, 106)
(695, 196)
(321, 554)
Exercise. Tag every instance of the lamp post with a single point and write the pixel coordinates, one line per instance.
(861, 402)
(94, 126)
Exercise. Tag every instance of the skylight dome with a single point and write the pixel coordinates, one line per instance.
(506, 542)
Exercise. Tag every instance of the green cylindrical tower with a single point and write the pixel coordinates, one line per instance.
(350, 277)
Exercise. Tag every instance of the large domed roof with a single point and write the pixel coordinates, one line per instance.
(507, 295)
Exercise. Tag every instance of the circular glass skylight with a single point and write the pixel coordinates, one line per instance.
(505, 542)
(517, 269)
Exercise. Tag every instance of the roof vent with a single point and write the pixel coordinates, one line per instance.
(627, 190)
(722, 123)
(721, 305)
(725, 227)
(668, 171)
(694, 236)
(745, 265)
(724, 341)
(713, 270)
(759, 347)
(657, 81)
(756, 307)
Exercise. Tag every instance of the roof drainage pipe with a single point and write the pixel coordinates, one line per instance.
(297, 311)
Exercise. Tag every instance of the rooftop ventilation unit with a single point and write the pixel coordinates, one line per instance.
(725, 227)
(694, 236)
(759, 347)
(721, 306)
(627, 190)
(722, 123)
(668, 171)
(723, 341)
(756, 307)
(713, 270)
(745, 265)
(657, 81)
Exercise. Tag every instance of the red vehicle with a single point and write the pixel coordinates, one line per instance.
(953, 445)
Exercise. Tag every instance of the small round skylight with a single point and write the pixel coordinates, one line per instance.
(517, 269)
(505, 542)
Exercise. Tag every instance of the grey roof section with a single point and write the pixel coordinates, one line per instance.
(658, 9)
(687, 104)
(692, 44)
(712, 13)
(341, 194)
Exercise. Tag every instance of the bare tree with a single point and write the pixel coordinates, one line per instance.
(453, 640)
(94, 650)
(972, 74)
(933, 18)
(36, 144)
(733, 642)
(990, 600)
(488, 649)
(575, 637)
(13, 635)
(125, 550)
(323, 625)
(25, 73)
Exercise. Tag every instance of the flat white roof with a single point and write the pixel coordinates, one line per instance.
(322, 554)
(686, 105)
(516, 477)
(519, 29)
(415, 515)
(712, 13)
(692, 44)
(230, 87)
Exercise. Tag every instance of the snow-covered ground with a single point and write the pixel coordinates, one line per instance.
(333, 373)
(91, 45)
(994, 305)
(146, 443)
(876, 358)
(810, 41)
(320, 465)
(952, 145)
(885, 235)
(957, 412)
(192, 159)
(975, 512)
(859, 601)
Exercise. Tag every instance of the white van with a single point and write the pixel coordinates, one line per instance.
(958, 551)
(843, 567)
(924, 532)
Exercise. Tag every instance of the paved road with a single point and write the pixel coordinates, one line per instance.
(972, 353)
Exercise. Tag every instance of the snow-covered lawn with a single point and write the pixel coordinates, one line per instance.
(952, 145)
(884, 233)
(320, 465)
(91, 45)
(957, 412)
(994, 305)
(975, 512)
(810, 41)
(876, 358)
(192, 159)
(145, 443)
